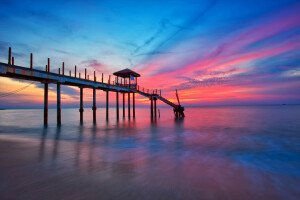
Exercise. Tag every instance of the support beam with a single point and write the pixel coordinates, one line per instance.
(107, 104)
(133, 104)
(117, 104)
(94, 108)
(63, 68)
(58, 105)
(46, 104)
(48, 64)
(9, 55)
(81, 105)
(151, 106)
(128, 104)
(123, 104)
(31, 61)
(155, 99)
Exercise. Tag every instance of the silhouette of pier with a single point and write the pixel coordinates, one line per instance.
(125, 83)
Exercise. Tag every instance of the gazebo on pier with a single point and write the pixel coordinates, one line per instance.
(132, 76)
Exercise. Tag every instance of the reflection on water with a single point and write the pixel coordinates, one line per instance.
(214, 153)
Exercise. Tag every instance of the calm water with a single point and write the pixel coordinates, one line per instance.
(214, 153)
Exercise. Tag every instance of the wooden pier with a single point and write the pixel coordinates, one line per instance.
(125, 83)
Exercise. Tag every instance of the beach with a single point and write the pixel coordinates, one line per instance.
(222, 152)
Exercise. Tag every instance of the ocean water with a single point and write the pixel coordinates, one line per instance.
(237, 152)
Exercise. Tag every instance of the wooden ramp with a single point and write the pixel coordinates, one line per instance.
(178, 109)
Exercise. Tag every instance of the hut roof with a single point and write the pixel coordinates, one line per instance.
(126, 73)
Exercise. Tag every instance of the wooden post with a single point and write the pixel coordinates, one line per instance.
(94, 105)
(46, 68)
(128, 104)
(59, 71)
(117, 104)
(102, 77)
(48, 64)
(155, 99)
(133, 104)
(136, 81)
(9, 55)
(46, 104)
(109, 79)
(79, 75)
(75, 71)
(70, 73)
(63, 68)
(107, 104)
(31, 61)
(160, 92)
(94, 76)
(85, 73)
(129, 82)
(81, 105)
(151, 106)
(123, 104)
(13, 61)
(58, 105)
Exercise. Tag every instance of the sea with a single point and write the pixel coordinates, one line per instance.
(217, 152)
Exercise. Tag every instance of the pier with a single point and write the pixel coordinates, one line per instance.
(125, 82)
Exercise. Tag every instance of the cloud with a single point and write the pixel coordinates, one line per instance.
(153, 53)
(96, 65)
(3, 46)
(188, 25)
(195, 83)
(292, 73)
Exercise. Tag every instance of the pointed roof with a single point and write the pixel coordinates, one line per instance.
(126, 73)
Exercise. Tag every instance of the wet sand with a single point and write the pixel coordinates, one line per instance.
(53, 169)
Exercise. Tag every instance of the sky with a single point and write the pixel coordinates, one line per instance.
(214, 52)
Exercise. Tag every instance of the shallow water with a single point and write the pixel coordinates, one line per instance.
(236, 152)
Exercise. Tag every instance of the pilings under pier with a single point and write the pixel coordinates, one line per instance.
(155, 99)
(94, 108)
(123, 104)
(58, 105)
(46, 104)
(117, 104)
(107, 105)
(151, 98)
(128, 104)
(133, 104)
(81, 105)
